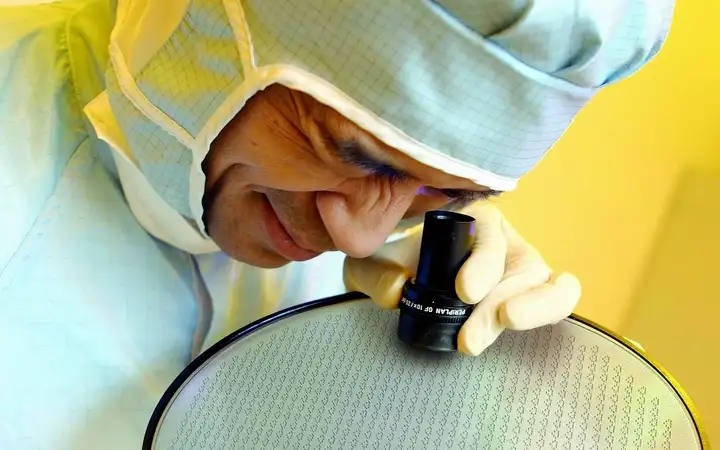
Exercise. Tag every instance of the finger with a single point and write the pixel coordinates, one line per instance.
(483, 327)
(379, 279)
(520, 254)
(546, 304)
(532, 275)
(480, 330)
(484, 269)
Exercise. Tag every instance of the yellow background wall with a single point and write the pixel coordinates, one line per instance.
(595, 204)
(629, 200)
(675, 312)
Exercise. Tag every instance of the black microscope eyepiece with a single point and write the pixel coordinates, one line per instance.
(431, 314)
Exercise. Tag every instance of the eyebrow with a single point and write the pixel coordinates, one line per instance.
(351, 152)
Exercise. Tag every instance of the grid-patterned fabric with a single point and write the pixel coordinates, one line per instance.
(491, 84)
(412, 68)
(96, 318)
(201, 54)
(163, 159)
(570, 45)
(487, 17)
(546, 42)
(40, 126)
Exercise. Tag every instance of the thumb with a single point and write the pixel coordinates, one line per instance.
(381, 280)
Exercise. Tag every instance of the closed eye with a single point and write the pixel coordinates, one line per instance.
(465, 196)
(351, 153)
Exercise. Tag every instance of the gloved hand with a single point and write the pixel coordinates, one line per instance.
(505, 276)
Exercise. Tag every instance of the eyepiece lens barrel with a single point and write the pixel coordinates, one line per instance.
(431, 314)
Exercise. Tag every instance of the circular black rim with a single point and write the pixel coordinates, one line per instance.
(207, 355)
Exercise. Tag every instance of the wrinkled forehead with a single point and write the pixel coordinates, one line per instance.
(478, 90)
(419, 79)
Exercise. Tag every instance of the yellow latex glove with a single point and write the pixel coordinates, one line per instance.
(504, 276)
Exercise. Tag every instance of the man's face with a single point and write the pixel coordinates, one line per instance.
(289, 178)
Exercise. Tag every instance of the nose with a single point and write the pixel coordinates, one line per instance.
(361, 214)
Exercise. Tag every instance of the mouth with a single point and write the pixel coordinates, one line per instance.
(280, 240)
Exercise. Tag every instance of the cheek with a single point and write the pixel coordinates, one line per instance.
(234, 222)
(277, 161)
